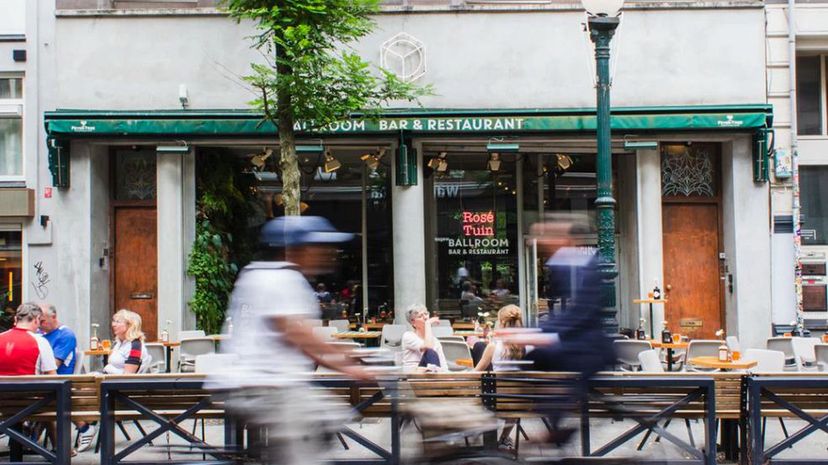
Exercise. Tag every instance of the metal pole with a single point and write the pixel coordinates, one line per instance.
(601, 30)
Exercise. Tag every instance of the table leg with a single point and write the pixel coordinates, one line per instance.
(730, 439)
(669, 359)
(169, 358)
(652, 331)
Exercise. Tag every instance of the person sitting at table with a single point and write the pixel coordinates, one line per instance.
(23, 351)
(421, 350)
(62, 340)
(487, 356)
(322, 294)
(129, 353)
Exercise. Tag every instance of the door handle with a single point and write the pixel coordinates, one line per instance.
(668, 287)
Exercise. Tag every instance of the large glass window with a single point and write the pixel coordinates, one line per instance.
(11, 126)
(355, 198)
(473, 218)
(11, 274)
(813, 181)
(809, 95)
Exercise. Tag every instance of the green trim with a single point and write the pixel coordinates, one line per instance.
(244, 123)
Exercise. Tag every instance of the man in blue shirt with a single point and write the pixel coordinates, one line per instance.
(62, 339)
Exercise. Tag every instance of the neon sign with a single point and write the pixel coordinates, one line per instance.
(478, 224)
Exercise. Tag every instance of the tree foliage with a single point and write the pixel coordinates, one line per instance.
(310, 73)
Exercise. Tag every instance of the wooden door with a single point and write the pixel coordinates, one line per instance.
(136, 265)
(691, 269)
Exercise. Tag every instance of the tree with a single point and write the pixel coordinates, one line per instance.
(310, 74)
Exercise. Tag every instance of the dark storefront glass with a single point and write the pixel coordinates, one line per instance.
(813, 182)
(11, 270)
(345, 197)
(473, 218)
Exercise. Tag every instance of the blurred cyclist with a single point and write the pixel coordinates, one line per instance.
(276, 348)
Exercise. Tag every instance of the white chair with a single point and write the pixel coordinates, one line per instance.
(455, 350)
(214, 363)
(627, 351)
(392, 336)
(79, 359)
(702, 348)
(733, 343)
(821, 356)
(192, 347)
(650, 361)
(769, 361)
(340, 325)
(803, 348)
(191, 334)
(324, 332)
(441, 331)
(784, 345)
(452, 338)
(159, 357)
(443, 322)
(313, 322)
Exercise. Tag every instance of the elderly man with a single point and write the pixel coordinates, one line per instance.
(62, 339)
(22, 350)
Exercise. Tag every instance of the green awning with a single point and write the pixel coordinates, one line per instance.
(239, 123)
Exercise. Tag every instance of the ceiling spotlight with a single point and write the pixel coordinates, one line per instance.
(371, 161)
(494, 162)
(564, 161)
(439, 163)
(331, 163)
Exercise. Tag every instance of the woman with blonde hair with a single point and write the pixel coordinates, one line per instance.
(128, 351)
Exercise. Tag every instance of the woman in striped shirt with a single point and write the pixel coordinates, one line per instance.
(128, 351)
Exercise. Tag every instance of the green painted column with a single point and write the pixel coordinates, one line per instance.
(601, 30)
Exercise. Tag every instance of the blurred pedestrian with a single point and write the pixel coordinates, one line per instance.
(269, 384)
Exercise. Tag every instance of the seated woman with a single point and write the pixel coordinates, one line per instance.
(421, 350)
(128, 351)
(495, 351)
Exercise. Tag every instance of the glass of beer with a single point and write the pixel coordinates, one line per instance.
(676, 338)
(737, 355)
(106, 344)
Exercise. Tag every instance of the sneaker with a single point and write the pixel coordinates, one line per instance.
(85, 438)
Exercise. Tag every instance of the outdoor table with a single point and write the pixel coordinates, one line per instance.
(465, 362)
(168, 348)
(101, 352)
(372, 336)
(709, 361)
(469, 333)
(670, 347)
(368, 326)
(651, 302)
(463, 325)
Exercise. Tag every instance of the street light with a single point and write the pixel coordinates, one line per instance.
(602, 22)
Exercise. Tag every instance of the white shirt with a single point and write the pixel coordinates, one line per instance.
(413, 347)
(262, 291)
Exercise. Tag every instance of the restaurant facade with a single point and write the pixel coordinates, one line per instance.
(442, 196)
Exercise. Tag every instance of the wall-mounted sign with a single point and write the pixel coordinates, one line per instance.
(783, 164)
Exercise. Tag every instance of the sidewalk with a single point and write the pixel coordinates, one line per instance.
(377, 430)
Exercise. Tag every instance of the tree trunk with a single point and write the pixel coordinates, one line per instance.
(288, 162)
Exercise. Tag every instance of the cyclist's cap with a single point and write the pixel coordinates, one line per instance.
(287, 231)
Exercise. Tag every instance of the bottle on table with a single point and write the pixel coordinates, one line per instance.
(94, 342)
(640, 333)
(666, 337)
(165, 333)
(656, 291)
(724, 353)
(229, 326)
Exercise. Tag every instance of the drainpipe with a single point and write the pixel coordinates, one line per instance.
(797, 239)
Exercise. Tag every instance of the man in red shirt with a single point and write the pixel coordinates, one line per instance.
(22, 350)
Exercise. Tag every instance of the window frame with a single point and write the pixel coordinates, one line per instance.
(14, 108)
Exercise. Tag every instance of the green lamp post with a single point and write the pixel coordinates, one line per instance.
(602, 22)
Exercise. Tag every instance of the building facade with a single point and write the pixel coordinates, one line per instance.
(796, 88)
(135, 97)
